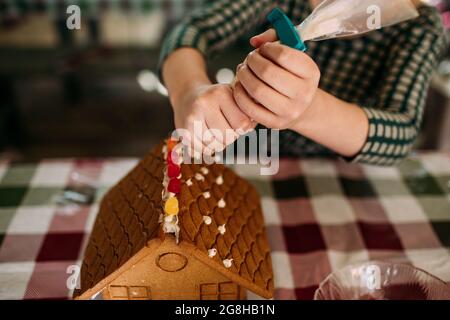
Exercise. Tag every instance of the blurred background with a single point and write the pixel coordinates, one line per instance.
(94, 92)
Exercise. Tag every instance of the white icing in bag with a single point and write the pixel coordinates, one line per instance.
(340, 18)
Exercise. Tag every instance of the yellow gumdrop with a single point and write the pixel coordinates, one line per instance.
(171, 206)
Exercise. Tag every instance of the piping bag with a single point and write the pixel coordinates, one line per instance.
(340, 18)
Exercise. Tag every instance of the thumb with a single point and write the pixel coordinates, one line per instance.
(267, 36)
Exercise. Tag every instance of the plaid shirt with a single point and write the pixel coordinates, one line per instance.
(386, 72)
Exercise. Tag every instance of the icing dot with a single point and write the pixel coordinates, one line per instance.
(189, 182)
(221, 229)
(227, 263)
(212, 252)
(207, 195)
(171, 206)
(204, 170)
(199, 177)
(221, 203)
(174, 186)
(219, 180)
(207, 220)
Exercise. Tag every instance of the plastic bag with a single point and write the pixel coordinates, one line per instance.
(341, 18)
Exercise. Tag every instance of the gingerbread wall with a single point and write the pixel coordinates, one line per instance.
(169, 271)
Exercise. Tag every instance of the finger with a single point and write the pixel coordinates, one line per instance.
(261, 92)
(278, 78)
(252, 109)
(211, 141)
(267, 36)
(235, 117)
(297, 62)
(217, 126)
(195, 140)
(187, 140)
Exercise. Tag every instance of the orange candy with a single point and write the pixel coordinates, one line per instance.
(171, 144)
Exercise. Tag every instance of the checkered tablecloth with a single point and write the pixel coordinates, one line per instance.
(321, 215)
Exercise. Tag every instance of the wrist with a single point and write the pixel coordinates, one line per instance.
(181, 77)
(313, 111)
(186, 88)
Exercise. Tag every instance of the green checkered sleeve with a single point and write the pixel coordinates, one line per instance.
(216, 26)
(394, 122)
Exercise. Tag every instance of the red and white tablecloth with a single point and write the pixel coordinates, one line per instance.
(321, 215)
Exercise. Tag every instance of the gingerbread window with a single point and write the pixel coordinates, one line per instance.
(129, 292)
(221, 291)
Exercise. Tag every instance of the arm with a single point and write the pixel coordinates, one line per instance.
(344, 129)
(193, 96)
(383, 134)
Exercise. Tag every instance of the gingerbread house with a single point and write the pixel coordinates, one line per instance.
(203, 239)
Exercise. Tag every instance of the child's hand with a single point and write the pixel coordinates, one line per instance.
(276, 84)
(211, 107)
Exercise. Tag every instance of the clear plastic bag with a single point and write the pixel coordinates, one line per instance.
(341, 18)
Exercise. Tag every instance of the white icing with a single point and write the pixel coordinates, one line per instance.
(219, 180)
(221, 229)
(207, 195)
(221, 203)
(204, 170)
(207, 220)
(170, 225)
(171, 228)
(168, 218)
(212, 252)
(199, 177)
(166, 180)
(227, 263)
(322, 28)
(189, 182)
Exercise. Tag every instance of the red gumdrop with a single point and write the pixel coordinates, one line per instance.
(173, 170)
(172, 157)
(174, 186)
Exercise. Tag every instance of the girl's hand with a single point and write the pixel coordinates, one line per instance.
(275, 84)
(210, 118)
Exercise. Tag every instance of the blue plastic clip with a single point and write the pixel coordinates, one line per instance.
(286, 31)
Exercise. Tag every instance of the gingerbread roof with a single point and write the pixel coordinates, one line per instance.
(129, 218)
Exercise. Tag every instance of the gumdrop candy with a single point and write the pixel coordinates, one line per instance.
(171, 206)
(174, 186)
